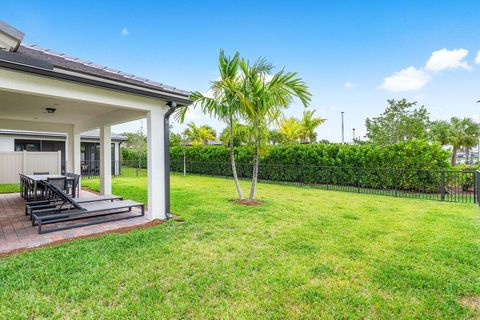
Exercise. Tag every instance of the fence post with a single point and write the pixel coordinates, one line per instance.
(357, 178)
(442, 185)
(395, 182)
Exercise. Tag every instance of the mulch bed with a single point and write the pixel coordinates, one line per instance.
(246, 202)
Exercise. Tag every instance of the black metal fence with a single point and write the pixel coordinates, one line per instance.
(441, 185)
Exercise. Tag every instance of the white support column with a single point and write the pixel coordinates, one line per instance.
(72, 156)
(105, 160)
(156, 172)
(69, 147)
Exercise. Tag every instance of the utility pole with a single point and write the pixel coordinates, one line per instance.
(343, 132)
(478, 146)
(353, 135)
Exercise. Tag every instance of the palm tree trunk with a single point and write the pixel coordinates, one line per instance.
(255, 172)
(454, 155)
(467, 155)
(232, 160)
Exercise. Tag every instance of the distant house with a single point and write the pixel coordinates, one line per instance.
(16, 140)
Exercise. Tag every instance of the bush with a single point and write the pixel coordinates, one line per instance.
(414, 154)
(407, 165)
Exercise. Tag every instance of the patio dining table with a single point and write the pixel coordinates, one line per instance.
(37, 178)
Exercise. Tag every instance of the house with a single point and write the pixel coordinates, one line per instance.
(15, 140)
(46, 91)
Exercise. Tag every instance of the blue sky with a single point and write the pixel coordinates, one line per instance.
(354, 55)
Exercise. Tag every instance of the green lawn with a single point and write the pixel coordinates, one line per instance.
(9, 188)
(305, 253)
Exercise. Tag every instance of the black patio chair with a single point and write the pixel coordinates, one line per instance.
(60, 182)
(55, 201)
(73, 184)
(67, 209)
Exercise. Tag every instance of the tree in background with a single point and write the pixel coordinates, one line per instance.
(262, 97)
(463, 134)
(290, 129)
(135, 140)
(175, 139)
(199, 135)
(309, 124)
(241, 135)
(274, 137)
(440, 131)
(399, 122)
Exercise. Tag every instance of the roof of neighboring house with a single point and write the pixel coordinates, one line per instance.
(48, 62)
(94, 134)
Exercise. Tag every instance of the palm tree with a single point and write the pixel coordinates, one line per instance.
(274, 137)
(199, 135)
(290, 129)
(222, 103)
(464, 133)
(440, 131)
(241, 134)
(309, 124)
(262, 97)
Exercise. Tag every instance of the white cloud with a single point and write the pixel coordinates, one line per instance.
(349, 85)
(124, 32)
(405, 80)
(447, 59)
(477, 59)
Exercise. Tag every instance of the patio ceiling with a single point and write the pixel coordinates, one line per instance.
(32, 108)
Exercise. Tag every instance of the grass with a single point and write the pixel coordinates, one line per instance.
(305, 253)
(9, 188)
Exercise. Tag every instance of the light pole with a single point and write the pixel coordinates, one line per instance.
(343, 133)
(478, 146)
(353, 135)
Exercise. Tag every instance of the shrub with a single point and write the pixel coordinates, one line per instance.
(407, 165)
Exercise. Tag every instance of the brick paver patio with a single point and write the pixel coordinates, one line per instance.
(16, 231)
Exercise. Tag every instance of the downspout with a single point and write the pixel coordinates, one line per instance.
(166, 130)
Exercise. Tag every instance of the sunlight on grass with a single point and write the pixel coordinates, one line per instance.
(305, 253)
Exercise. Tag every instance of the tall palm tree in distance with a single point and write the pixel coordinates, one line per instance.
(309, 124)
(464, 134)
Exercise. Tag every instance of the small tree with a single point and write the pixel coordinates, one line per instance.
(463, 134)
(440, 131)
(274, 137)
(223, 104)
(262, 97)
(399, 122)
(290, 129)
(199, 135)
(309, 124)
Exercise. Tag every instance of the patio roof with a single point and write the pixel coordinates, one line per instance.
(45, 91)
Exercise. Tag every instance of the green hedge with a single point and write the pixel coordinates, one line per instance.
(406, 165)
(414, 154)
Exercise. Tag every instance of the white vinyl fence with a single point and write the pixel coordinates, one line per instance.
(14, 163)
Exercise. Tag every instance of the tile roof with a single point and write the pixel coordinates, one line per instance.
(63, 61)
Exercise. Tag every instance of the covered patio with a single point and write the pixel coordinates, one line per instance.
(42, 90)
(17, 232)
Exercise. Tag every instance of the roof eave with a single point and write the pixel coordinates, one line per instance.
(181, 99)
